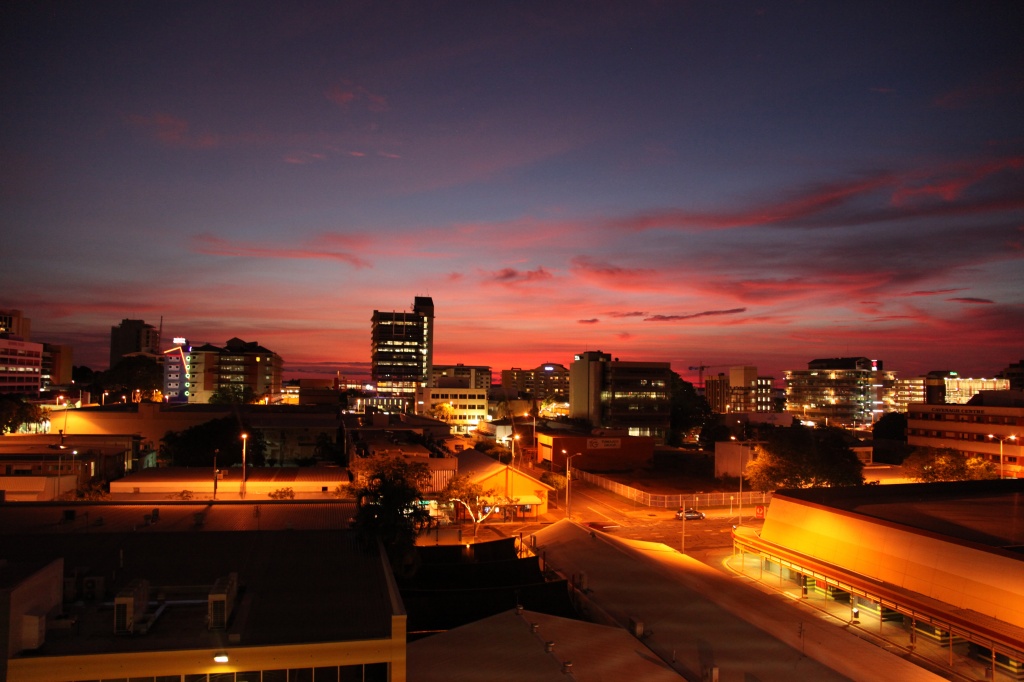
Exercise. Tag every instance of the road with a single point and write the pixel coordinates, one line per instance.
(637, 522)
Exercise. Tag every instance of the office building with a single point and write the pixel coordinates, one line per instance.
(194, 373)
(56, 365)
(461, 376)
(941, 388)
(846, 392)
(991, 426)
(549, 379)
(1014, 373)
(627, 396)
(14, 323)
(402, 348)
(462, 408)
(133, 336)
(21, 367)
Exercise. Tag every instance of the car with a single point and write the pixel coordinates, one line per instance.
(603, 525)
(689, 515)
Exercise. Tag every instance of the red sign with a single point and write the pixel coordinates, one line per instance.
(759, 511)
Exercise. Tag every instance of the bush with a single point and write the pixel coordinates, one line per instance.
(282, 494)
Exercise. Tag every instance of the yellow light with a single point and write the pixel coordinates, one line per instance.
(220, 658)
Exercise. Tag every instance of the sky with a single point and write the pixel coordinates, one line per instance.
(702, 183)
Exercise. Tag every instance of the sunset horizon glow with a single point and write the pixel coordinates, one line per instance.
(693, 183)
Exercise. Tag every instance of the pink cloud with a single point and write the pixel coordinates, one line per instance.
(950, 184)
(346, 93)
(592, 320)
(210, 245)
(803, 204)
(173, 131)
(513, 277)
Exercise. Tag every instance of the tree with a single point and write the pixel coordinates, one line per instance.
(444, 412)
(800, 457)
(472, 497)
(131, 374)
(929, 465)
(389, 507)
(233, 395)
(197, 446)
(688, 410)
(16, 411)
(555, 480)
(891, 426)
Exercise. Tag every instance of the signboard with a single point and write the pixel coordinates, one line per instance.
(759, 511)
(604, 443)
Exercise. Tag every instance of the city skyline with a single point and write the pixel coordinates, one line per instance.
(690, 183)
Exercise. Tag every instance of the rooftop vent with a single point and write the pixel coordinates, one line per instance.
(130, 606)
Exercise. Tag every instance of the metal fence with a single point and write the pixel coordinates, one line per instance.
(698, 500)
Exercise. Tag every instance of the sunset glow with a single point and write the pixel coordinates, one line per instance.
(697, 183)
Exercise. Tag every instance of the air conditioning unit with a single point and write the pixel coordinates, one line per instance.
(33, 630)
(130, 606)
(220, 602)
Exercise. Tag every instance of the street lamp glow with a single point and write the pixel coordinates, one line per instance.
(568, 484)
(220, 658)
(1001, 440)
(245, 439)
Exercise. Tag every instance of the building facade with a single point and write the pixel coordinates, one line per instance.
(133, 336)
(941, 388)
(549, 379)
(21, 367)
(847, 392)
(402, 348)
(469, 376)
(992, 431)
(14, 323)
(1014, 373)
(628, 396)
(193, 374)
(56, 367)
(466, 407)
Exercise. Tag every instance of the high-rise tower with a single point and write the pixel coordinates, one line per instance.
(402, 348)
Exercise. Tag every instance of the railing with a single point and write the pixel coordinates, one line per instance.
(695, 500)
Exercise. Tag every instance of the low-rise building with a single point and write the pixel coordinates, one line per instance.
(462, 408)
(991, 426)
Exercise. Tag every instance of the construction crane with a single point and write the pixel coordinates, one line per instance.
(700, 372)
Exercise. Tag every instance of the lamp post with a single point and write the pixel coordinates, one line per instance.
(746, 445)
(245, 439)
(1001, 440)
(512, 481)
(568, 484)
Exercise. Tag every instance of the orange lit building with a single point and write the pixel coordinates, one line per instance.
(925, 560)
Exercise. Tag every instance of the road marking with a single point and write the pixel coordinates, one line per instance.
(602, 514)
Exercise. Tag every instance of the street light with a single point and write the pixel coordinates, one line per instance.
(745, 444)
(512, 481)
(245, 438)
(568, 484)
(1001, 440)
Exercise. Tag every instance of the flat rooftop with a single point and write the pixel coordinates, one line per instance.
(987, 513)
(277, 584)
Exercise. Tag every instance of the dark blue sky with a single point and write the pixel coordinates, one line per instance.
(730, 183)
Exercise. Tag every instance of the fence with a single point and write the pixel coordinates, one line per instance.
(698, 500)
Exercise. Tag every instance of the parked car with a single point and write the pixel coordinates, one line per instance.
(689, 515)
